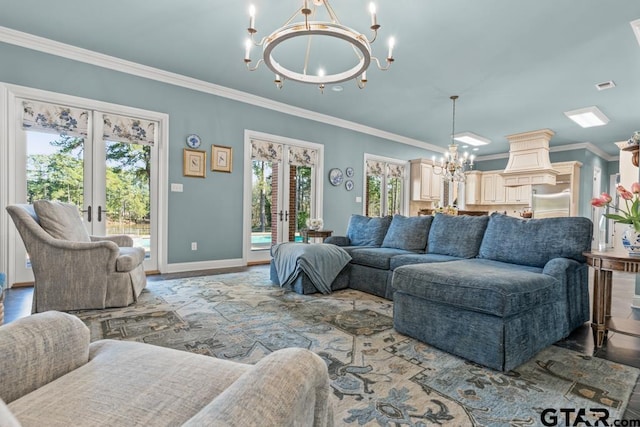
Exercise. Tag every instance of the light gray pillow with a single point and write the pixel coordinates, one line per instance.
(61, 220)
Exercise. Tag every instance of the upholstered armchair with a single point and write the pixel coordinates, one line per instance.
(72, 270)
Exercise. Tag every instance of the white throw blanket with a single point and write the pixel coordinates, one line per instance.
(321, 262)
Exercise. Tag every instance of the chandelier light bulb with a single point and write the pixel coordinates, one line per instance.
(374, 18)
(247, 50)
(392, 44)
(252, 17)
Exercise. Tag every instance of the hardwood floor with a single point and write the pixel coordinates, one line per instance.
(618, 347)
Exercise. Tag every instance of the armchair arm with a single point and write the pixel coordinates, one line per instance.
(288, 387)
(121, 240)
(37, 349)
(338, 240)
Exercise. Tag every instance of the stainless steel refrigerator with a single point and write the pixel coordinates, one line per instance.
(548, 201)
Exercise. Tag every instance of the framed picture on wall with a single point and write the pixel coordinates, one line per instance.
(221, 158)
(195, 162)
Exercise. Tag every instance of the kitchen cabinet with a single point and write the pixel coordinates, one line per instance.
(425, 184)
(520, 195)
(493, 189)
(473, 188)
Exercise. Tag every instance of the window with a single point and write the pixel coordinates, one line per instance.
(386, 186)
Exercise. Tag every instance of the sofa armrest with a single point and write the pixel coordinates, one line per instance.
(122, 240)
(37, 349)
(558, 267)
(288, 387)
(338, 240)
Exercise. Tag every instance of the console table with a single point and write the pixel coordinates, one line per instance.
(306, 234)
(604, 264)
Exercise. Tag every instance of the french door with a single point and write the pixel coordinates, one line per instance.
(103, 163)
(284, 188)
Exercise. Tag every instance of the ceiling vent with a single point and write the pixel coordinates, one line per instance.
(529, 162)
(605, 85)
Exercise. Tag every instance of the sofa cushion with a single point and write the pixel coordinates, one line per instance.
(365, 231)
(535, 241)
(61, 220)
(130, 383)
(129, 258)
(408, 259)
(409, 233)
(376, 257)
(458, 236)
(480, 285)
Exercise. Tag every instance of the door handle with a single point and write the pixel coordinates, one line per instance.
(286, 216)
(88, 211)
(100, 212)
(280, 213)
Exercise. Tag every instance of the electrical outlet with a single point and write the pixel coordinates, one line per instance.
(176, 187)
(194, 246)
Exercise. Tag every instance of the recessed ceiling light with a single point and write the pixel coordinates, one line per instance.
(636, 28)
(471, 138)
(337, 88)
(476, 149)
(588, 117)
(605, 85)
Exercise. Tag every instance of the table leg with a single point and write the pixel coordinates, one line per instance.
(601, 305)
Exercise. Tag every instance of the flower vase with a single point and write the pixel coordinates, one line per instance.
(631, 240)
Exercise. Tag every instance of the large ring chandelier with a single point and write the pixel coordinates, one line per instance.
(310, 27)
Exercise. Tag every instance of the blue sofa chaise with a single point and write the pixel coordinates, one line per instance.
(492, 289)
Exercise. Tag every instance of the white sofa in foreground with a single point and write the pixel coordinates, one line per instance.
(50, 374)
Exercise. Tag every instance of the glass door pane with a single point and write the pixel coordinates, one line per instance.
(54, 170)
(300, 208)
(264, 205)
(128, 193)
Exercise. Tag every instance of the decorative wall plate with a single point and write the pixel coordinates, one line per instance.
(348, 185)
(193, 141)
(335, 176)
(348, 172)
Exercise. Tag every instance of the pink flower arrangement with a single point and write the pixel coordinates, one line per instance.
(631, 213)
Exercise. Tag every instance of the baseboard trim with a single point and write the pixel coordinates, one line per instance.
(183, 267)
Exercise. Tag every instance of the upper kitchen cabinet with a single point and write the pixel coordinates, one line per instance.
(425, 184)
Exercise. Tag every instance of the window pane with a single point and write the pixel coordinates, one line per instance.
(394, 196)
(374, 199)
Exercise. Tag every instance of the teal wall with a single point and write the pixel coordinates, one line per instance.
(588, 159)
(209, 210)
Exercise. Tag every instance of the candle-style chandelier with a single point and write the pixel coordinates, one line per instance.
(311, 27)
(452, 167)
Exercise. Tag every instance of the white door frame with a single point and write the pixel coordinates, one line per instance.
(317, 183)
(9, 119)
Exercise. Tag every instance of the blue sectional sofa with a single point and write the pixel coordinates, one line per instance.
(492, 289)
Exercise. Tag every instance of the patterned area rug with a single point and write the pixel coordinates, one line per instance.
(379, 377)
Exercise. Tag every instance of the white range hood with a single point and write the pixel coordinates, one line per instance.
(529, 162)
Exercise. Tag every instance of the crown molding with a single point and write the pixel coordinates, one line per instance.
(51, 47)
(569, 147)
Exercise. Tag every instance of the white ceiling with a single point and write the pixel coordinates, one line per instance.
(517, 65)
